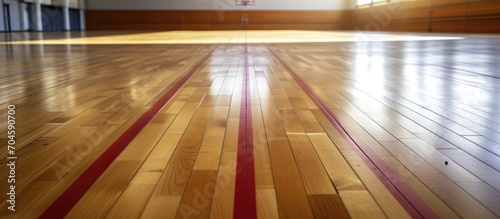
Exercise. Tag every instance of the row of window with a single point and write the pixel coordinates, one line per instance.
(366, 2)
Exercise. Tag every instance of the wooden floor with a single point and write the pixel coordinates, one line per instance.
(251, 124)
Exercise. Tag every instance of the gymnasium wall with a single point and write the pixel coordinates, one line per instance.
(443, 16)
(16, 13)
(20, 13)
(211, 5)
(217, 15)
(2, 27)
(72, 3)
(216, 20)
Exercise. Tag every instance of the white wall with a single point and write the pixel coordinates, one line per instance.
(2, 28)
(72, 3)
(24, 17)
(15, 15)
(218, 5)
(75, 3)
(43, 2)
(19, 18)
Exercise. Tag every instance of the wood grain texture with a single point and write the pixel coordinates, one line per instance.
(328, 206)
(290, 191)
(197, 198)
(390, 206)
(339, 171)
(360, 204)
(314, 175)
(425, 105)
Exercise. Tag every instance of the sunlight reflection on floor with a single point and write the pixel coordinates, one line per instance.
(214, 37)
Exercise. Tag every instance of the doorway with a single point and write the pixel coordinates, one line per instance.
(6, 16)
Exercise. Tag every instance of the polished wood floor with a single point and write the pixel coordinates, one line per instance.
(255, 124)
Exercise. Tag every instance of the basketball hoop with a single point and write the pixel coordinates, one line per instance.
(245, 3)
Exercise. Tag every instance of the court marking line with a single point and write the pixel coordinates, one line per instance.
(411, 202)
(68, 199)
(245, 204)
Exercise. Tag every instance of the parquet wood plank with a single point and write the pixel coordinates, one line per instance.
(65, 128)
(486, 143)
(176, 174)
(263, 172)
(133, 200)
(474, 123)
(146, 140)
(51, 157)
(435, 202)
(485, 194)
(223, 203)
(26, 139)
(360, 204)
(158, 158)
(290, 191)
(389, 205)
(211, 146)
(462, 203)
(428, 114)
(328, 206)
(390, 126)
(436, 159)
(452, 137)
(64, 171)
(435, 141)
(298, 103)
(183, 119)
(314, 176)
(474, 165)
(374, 129)
(234, 110)
(137, 194)
(275, 130)
(358, 132)
(136, 151)
(424, 104)
(309, 122)
(26, 124)
(35, 147)
(291, 121)
(339, 171)
(198, 195)
(266, 203)
(105, 192)
(161, 206)
(332, 133)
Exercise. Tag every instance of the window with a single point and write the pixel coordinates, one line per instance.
(366, 2)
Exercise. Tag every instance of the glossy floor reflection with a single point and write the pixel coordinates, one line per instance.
(419, 113)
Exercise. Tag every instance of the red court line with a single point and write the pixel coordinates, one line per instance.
(73, 193)
(413, 204)
(244, 197)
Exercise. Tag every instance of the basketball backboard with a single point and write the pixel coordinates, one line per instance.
(245, 2)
